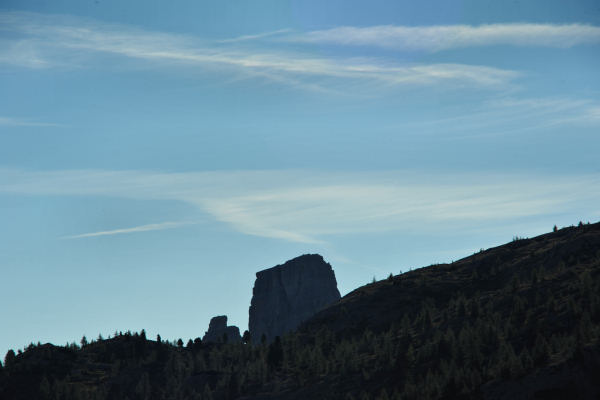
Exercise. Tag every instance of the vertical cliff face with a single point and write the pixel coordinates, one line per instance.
(286, 295)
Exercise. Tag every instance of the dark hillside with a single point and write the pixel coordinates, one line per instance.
(524, 268)
(519, 321)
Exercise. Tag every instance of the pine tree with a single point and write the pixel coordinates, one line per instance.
(234, 386)
(143, 389)
(246, 338)
(383, 395)
(45, 388)
(586, 329)
(275, 355)
(526, 360)
(541, 351)
(207, 394)
(9, 358)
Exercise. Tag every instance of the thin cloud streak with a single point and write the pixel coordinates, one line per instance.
(308, 206)
(8, 121)
(141, 228)
(244, 38)
(445, 37)
(507, 116)
(49, 41)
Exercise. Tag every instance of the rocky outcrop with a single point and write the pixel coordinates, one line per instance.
(217, 329)
(286, 295)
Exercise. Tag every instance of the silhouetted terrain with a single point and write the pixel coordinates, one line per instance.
(286, 295)
(520, 320)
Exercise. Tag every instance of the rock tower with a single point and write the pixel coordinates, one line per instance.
(286, 295)
(218, 328)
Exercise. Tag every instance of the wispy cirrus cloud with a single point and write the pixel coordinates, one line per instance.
(47, 41)
(23, 53)
(445, 37)
(509, 115)
(308, 206)
(593, 114)
(263, 35)
(8, 121)
(135, 229)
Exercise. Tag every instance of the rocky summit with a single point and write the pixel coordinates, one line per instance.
(219, 332)
(286, 295)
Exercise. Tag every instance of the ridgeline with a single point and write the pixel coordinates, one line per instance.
(519, 321)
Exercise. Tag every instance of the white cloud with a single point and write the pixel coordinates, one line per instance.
(444, 37)
(308, 206)
(47, 41)
(141, 228)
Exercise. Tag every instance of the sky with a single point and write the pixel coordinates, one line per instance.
(155, 155)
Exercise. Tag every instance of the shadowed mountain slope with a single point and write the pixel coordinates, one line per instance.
(523, 267)
(519, 321)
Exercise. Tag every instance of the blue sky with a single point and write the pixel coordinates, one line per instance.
(154, 156)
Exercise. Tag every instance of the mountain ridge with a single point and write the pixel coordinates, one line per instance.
(481, 263)
(521, 320)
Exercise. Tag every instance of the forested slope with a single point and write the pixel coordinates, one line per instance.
(520, 320)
